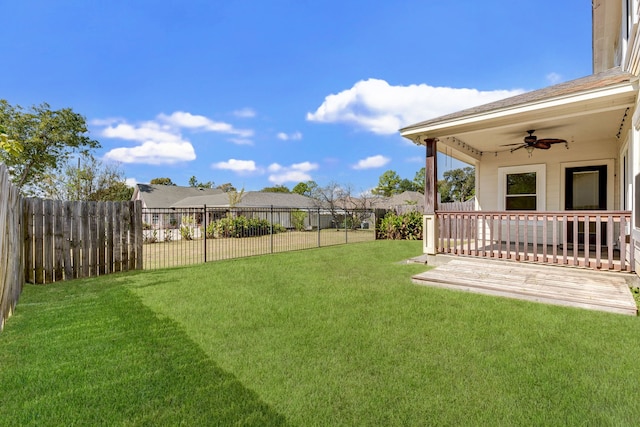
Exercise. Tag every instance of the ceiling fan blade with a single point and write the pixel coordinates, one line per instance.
(551, 141)
(517, 148)
(542, 145)
(511, 145)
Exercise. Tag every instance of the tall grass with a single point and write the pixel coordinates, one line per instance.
(333, 336)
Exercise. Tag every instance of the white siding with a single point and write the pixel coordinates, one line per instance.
(585, 153)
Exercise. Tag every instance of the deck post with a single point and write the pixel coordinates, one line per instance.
(430, 220)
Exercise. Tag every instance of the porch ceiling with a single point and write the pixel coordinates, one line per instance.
(589, 109)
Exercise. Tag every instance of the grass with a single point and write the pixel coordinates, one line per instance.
(183, 252)
(331, 336)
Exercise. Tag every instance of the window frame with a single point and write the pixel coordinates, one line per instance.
(541, 183)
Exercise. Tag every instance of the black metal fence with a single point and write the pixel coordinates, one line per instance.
(182, 236)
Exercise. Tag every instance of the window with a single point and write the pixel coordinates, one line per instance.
(522, 188)
(521, 192)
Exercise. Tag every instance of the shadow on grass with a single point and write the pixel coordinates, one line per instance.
(88, 355)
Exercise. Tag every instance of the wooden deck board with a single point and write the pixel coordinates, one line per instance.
(593, 290)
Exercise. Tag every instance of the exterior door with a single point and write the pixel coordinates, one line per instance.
(586, 190)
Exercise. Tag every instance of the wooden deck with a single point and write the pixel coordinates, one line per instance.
(594, 290)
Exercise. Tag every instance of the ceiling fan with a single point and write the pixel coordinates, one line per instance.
(531, 141)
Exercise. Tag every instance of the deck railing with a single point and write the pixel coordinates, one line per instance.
(593, 239)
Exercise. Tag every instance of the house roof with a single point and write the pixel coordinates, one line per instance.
(605, 79)
(249, 199)
(592, 108)
(163, 196)
(405, 198)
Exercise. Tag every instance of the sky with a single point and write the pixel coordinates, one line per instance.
(263, 93)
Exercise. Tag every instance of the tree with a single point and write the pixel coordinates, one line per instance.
(235, 197)
(457, 185)
(227, 187)
(388, 184)
(419, 180)
(89, 179)
(406, 185)
(276, 189)
(305, 188)
(193, 182)
(331, 197)
(47, 139)
(10, 146)
(162, 181)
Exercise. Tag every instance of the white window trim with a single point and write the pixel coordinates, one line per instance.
(541, 183)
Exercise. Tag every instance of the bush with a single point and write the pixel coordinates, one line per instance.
(186, 228)
(297, 218)
(241, 226)
(150, 237)
(407, 226)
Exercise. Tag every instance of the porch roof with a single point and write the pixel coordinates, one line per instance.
(591, 106)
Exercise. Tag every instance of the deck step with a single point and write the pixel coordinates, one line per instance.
(552, 285)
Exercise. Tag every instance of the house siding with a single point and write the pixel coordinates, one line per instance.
(554, 158)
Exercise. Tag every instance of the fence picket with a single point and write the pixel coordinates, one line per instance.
(12, 270)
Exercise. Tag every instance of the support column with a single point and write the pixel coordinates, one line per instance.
(430, 220)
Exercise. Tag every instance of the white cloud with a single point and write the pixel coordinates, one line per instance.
(378, 107)
(183, 119)
(158, 144)
(143, 132)
(240, 166)
(297, 172)
(245, 113)
(154, 153)
(304, 166)
(131, 182)
(241, 141)
(372, 162)
(160, 140)
(554, 78)
(274, 167)
(296, 136)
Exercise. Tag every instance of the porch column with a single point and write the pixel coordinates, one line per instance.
(430, 221)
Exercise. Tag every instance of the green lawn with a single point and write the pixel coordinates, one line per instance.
(331, 336)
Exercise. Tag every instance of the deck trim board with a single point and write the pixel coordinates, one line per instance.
(532, 280)
(593, 290)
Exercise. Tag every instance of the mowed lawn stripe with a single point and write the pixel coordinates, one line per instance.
(330, 336)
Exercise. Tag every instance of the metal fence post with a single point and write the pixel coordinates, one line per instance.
(346, 236)
(319, 244)
(271, 228)
(204, 231)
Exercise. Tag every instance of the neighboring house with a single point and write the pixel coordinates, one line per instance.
(557, 169)
(404, 202)
(276, 207)
(157, 197)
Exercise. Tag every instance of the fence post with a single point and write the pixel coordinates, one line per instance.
(346, 235)
(319, 244)
(271, 222)
(204, 231)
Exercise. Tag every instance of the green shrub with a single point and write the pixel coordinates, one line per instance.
(298, 218)
(407, 226)
(187, 227)
(241, 226)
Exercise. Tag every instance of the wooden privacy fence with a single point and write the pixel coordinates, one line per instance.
(68, 240)
(11, 256)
